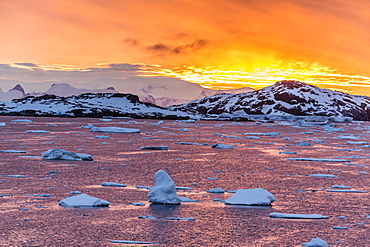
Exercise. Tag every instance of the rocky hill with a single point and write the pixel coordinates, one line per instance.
(283, 98)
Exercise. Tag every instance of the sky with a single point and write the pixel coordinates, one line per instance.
(215, 43)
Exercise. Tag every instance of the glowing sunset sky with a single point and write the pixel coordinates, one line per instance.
(217, 44)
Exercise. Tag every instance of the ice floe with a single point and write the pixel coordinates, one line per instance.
(164, 190)
(37, 131)
(112, 184)
(318, 159)
(321, 175)
(2, 124)
(220, 145)
(178, 218)
(155, 148)
(216, 190)
(150, 217)
(22, 121)
(130, 242)
(348, 191)
(13, 151)
(60, 154)
(316, 242)
(251, 197)
(15, 176)
(114, 130)
(340, 186)
(83, 200)
(340, 227)
(298, 216)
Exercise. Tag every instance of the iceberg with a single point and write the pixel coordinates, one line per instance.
(164, 190)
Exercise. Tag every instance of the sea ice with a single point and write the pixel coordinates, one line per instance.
(216, 190)
(102, 137)
(147, 217)
(317, 159)
(83, 200)
(178, 218)
(138, 204)
(37, 131)
(114, 130)
(251, 197)
(12, 151)
(340, 227)
(130, 242)
(155, 148)
(112, 184)
(316, 242)
(164, 190)
(340, 186)
(22, 121)
(320, 175)
(2, 124)
(15, 176)
(348, 191)
(186, 199)
(298, 216)
(60, 154)
(220, 145)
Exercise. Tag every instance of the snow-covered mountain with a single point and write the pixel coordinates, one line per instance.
(65, 90)
(162, 91)
(88, 105)
(16, 92)
(283, 98)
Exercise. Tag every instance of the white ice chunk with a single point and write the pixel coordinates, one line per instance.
(298, 216)
(216, 190)
(60, 154)
(114, 130)
(22, 121)
(316, 242)
(150, 217)
(2, 124)
(186, 199)
(251, 197)
(112, 184)
(340, 227)
(358, 142)
(220, 145)
(83, 200)
(164, 190)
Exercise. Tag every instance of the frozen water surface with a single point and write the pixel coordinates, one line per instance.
(42, 222)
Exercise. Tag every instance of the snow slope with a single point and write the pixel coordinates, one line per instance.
(284, 98)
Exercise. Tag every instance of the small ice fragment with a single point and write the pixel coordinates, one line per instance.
(348, 191)
(341, 217)
(220, 145)
(39, 195)
(138, 204)
(13, 151)
(186, 199)
(76, 192)
(298, 216)
(105, 120)
(362, 172)
(102, 137)
(147, 217)
(340, 227)
(216, 190)
(340, 186)
(112, 184)
(2, 124)
(130, 242)
(114, 130)
(178, 218)
(209, 178)
(15, 176)
(287, 152)
(22, 121)
(155, 148)
(320, 175)
(316, 159)
(316, 242)
(183, 188)
(37, 131)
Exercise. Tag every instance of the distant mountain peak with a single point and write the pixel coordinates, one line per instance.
(18, 87)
